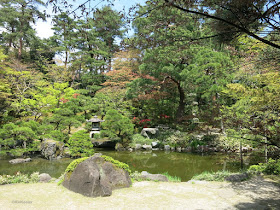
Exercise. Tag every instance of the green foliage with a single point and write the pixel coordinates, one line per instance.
(180, 139)
(117, 125)
(139, 139)
(58, 135)
(172, 178)
(256, 168)
(272, 167)
(195, 143)
(71, 167)
(117, 163)
(111, 98)
(136, 176)
(18, 33)
(12, 135)
(175, 138)
(212, 176)
(34, 177)
(80, 144)
(19, 178)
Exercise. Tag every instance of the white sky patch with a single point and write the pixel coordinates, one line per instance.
(44, 29)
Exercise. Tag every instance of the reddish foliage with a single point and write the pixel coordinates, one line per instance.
(164, 116)
(63, 100)
(75, 95)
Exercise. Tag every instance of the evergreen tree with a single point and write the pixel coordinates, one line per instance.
(16, 18)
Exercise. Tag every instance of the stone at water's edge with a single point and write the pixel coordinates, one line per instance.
(20, 160)
(167, 148)
(154, 177)
(237, 177)
(119, 147)
(149, 132)
(138, 146)
(147, 147)
(44, 177)
(96, 177)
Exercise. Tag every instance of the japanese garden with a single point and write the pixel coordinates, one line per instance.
(113, 103)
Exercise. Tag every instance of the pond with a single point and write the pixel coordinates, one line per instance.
(183, 165)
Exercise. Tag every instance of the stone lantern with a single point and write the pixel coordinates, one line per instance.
(95, 126)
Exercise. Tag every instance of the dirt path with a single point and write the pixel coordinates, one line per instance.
(254, 194)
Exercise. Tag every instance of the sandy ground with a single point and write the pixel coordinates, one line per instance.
(254, 194)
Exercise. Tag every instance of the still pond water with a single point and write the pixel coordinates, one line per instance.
(184, 165)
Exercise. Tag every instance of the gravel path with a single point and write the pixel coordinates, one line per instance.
(254, 194)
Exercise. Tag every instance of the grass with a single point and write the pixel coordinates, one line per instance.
(275, 178)
(212, 176)
(19, 178)
(136, 177)
(172, 178)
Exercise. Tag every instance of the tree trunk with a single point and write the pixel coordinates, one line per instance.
(21, 34)
(66, 59)
(241, 155)
(181, 107)
(110, 64)
(109, 68)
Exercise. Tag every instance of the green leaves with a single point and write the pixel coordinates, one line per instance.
(117, 125)
(80, 144)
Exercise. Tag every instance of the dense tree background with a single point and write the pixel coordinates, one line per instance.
(188, 65)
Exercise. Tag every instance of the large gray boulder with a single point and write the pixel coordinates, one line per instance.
(153, 177)
(20, 160)
(96, 177)
(51, 149)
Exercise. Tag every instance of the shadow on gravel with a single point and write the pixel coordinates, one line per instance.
(265, 194)
(260, 204)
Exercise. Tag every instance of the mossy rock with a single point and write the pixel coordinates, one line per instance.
(96, 176)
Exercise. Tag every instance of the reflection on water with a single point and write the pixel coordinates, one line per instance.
(183, 165)
(54, 167)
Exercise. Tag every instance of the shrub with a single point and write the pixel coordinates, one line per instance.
(175, 138)
(74, 163)
(117, 163)
(272, 167)
(117, 125)
(80, 144)
(34, 177)
(212, 176)
(139, 139)
(136, 177)
(256, 168)
(172, 178)
(19, 178)
(195, 143)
